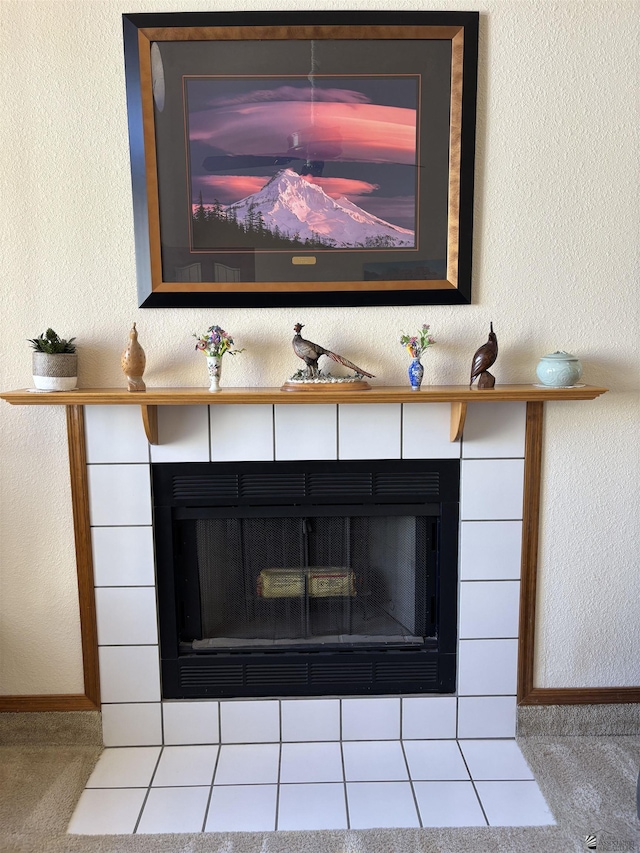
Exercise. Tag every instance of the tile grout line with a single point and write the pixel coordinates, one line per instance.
(344, 785)
(146, 796)
(484, 520)
(274, 458)
(279, 763)
(344, 772)
(278, 783)
(270, 784)
(413, 790)
(276, 815)
(208, 806)
(473, 782)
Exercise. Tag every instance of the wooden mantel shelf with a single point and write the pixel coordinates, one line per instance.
(457, 395)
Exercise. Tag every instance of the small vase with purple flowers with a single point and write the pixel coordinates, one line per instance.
(214, 343)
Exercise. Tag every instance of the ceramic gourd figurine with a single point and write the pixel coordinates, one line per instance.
(133, 362)
(559, 369)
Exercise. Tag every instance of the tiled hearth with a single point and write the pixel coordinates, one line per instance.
(310, 785)
(294, 755)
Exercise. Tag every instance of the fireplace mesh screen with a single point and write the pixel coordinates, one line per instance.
(295, 581)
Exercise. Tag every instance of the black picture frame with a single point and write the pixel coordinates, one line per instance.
(193, 78)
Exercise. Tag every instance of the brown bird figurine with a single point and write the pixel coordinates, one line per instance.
(310, 353)
(483, 359)
(133, 362)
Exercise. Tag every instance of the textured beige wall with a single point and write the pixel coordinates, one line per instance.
(556, 267)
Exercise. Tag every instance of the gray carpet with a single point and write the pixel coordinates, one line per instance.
(589, 782)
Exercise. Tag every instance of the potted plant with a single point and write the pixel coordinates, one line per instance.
(55, 362)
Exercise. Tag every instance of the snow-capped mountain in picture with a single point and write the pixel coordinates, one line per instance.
(302, 209)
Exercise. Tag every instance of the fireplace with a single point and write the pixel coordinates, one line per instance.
(307, 578)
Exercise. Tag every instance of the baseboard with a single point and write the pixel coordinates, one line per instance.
(48, 702)
(579, 696)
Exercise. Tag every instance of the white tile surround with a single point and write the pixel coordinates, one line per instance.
(492, 464)
(394, 760)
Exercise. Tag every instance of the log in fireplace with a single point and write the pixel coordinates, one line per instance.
(307, 578)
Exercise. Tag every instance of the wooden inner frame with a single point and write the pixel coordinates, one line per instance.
(352, 291)
(455, 160)
(527, 693)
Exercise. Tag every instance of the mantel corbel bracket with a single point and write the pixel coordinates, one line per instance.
(458, 416)
(150, 423)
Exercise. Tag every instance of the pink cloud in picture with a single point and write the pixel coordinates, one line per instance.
(229, 188)
(338, 187)
(346, 131)
(291, 93)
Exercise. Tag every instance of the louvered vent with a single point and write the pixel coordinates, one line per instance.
(341, 672)
(325, 485)
(225, 675)
(207, 487)
(424, 672)
(270, 486)
(304, 674)
(277, 673)
(408, 484)
(273, 487)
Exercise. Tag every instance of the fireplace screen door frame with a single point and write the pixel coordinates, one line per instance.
(322, 612)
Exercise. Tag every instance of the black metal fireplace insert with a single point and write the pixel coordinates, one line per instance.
(307, 578)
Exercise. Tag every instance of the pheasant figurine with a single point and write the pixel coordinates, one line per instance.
(484, 357)
(310, 353)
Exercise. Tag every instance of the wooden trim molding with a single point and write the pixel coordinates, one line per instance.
(47, 702)
(529, 561)
(581, 696)
(84, 555)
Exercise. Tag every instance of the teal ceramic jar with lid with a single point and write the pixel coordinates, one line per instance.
(559, 370)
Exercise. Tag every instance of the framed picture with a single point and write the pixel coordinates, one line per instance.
(302, 158)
